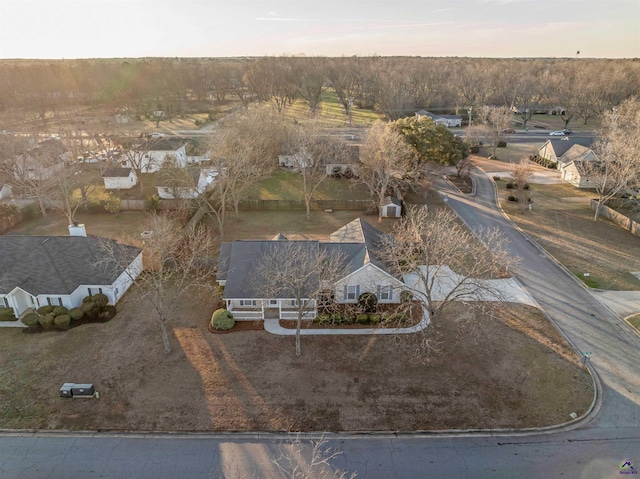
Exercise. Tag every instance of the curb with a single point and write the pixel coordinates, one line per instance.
(596, 403)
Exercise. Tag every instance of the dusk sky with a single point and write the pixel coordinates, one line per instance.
(214, 28)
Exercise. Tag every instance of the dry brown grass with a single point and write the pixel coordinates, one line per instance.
(562, 223)
(514, 371)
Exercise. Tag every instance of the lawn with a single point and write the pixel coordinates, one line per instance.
(512, 371)
(287, 185)
(330, 113)
(562, 223)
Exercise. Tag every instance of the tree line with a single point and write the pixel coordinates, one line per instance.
(581, 88)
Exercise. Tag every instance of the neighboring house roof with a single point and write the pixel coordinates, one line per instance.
(117, 173)
(279, 237)
(587, 167)
(560, 147)
(435, 117)
(57, 264)
(578, 153)
(161, 144)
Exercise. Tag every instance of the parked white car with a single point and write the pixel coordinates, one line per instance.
(557, 133)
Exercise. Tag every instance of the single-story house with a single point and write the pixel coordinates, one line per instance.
(392, 207)
(580, 173)
(119, 179)
(554, 150)
(356, 242)
(297, 160)
(446, 120)
(61, 270)
(42, 161)
(153, 154)
(192, 184)
(5, 191)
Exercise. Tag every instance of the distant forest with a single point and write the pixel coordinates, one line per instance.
(577, 89)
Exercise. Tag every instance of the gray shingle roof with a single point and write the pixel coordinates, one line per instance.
(357, 242)
(57, 264)
(239, 262)
(161, 144)
(560, 147)
(117, 173)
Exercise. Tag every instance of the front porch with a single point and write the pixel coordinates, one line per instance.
(256, 310)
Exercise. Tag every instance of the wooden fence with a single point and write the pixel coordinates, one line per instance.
(624, 221)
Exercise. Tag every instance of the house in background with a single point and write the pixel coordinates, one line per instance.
(357, 242)
(119, 179)
(192, 182)
(446, 120)
(580, 173)
(153, 154)
(554, 150)
(61, 270)
(5, 191)
(42, 161)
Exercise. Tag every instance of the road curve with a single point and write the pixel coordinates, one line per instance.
(588, 325)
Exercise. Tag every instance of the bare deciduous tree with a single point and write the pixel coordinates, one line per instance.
(176, 261)
(313, 460)
(298, 271)
(244, 151)
(385, 156)
(496, 119)
(313, 148)
(447, 261)
(521, 173)
(618, 150)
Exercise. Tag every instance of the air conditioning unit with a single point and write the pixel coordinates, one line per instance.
(69, 390)
(65, 390)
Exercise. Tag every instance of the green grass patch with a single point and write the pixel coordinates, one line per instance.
(330, 112)
(634, 321)
(588, 280)
(287, 185)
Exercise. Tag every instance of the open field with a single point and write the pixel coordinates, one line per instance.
(514, 371)
(330, 113)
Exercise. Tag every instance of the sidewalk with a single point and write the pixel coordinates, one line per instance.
(508, 288)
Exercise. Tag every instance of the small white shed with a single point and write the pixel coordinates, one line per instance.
(392, 208)
(119, 179)
(5, 191)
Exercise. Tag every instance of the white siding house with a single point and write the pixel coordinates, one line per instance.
(356, 243)
(61, 271)
(153, 154)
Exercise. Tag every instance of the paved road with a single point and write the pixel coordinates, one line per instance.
(587, 324)
(595, 450)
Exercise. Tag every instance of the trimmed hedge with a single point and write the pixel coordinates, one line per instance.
(46, 321)
(31, 319)
(59, 311)
(62, 322)
(6, 314)
(76, 314)
(100, 299)
(362, 318)
(45, 309)
(374, 318)
(222, 320)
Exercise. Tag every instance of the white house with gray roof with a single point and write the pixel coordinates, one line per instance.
(61, 270)
(357, 242)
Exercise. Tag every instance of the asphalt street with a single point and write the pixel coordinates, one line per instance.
(600, 447)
